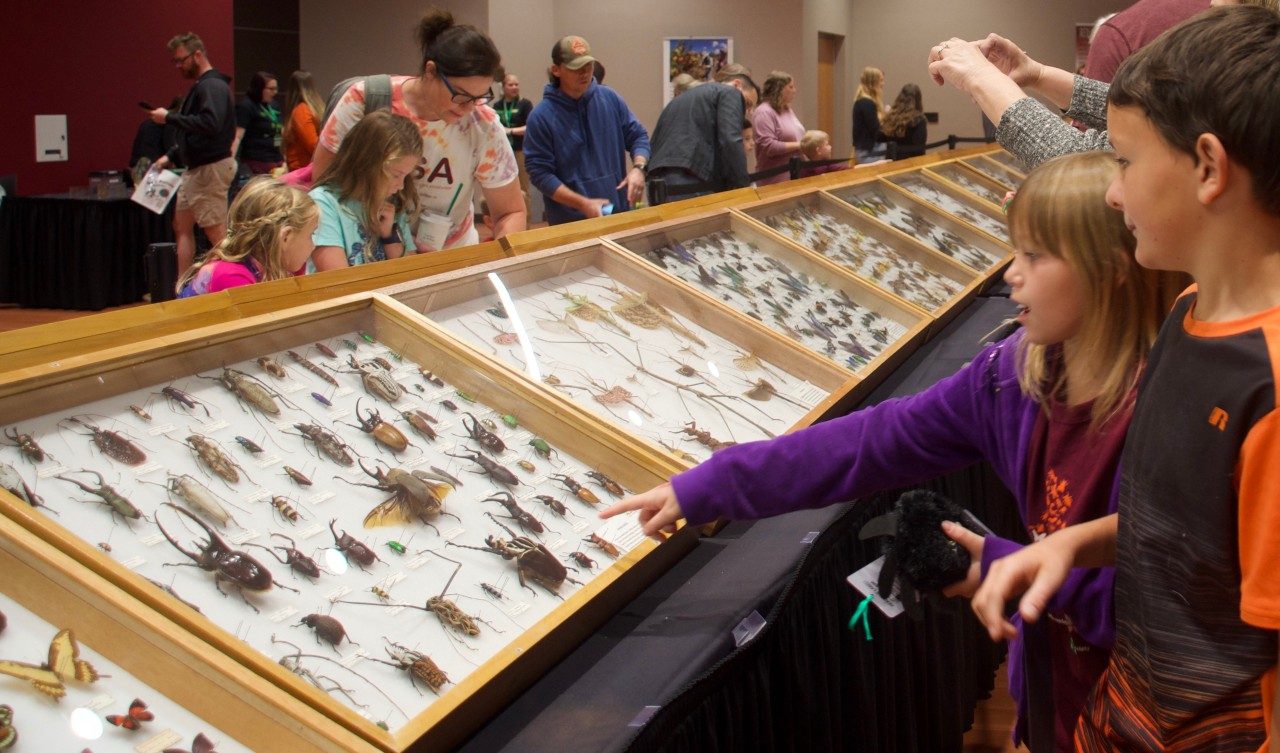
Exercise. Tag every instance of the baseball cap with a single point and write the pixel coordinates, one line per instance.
(572, 52)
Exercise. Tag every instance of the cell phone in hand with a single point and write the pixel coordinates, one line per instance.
(145, 105)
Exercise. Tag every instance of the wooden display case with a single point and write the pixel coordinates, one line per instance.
(188, 687)
(971, 181)
(794, 292)
(423, 528)
(1009, 161)
(658, 358)
(997, 171)
(921, 221)
(956, 202)
(905, 268)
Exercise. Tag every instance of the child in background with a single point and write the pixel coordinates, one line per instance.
(367, 194)
(814, 147)
(1048, 407)
(1193, 118)
(269, 231)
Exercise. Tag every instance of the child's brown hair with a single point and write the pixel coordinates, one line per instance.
(1216, 73)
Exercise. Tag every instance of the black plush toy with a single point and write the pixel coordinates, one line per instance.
(917, 553)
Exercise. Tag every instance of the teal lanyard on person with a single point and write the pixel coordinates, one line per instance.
(860, 615)
(505, 112)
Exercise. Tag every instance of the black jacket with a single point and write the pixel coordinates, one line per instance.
(701, 131)
(206, 122)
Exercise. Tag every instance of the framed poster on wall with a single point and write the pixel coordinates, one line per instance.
(700, 57)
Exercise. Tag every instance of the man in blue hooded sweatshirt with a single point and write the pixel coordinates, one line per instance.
(577, 139)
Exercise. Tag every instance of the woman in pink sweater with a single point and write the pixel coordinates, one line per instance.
(777, 129)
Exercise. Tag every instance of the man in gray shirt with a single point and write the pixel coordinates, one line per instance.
(697, 144)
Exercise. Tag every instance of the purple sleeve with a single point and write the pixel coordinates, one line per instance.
(229, 275)
(894, 443)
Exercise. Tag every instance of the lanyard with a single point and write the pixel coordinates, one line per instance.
(506, 111)
(270, 113)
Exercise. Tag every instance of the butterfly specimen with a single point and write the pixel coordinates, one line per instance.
(64, 663)
(201, 744)
(133, 720)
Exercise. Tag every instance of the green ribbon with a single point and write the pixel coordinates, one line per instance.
(860, 615)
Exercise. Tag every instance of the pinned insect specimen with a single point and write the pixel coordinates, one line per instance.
(4, 622)
(396, 546)
(448, 612)
(447, 477)
(327, 629)
(326, 402)
(200, 744)
(64, 663)
(376, 380)
(140, 412)
(269, 365)
(449, 405)
(415, 495)
(293, 663)
(527, 466)
(582, 307)
(578, 490)
(581, 558)
(212, 457)
(383, 433)
(490, 468)
(295, 559)
(367, 338)
(8, 733)
(12, 482)
(112, 444)
(133, 719)
(114, 500)
(285, 510)
(534, 562)
(419, 666)
(599, 543)
(763, 390)
(298, 477)
(325, 350)
(378, 591)
(253, 447)
(703, 437)
(26, 445)
(487, 440)
(636, 308)
(353, 549)
(541, 447)
(197, 495)
(493, 591)
(226, 564)
(185, 399)
(421, 423)
(249, 389)
(556, 505)
(611, 486)
(169, 590)
(430, 377)
(327, 442)
(515, 512)
(307, 364)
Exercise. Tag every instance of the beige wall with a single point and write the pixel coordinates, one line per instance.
(340, 39)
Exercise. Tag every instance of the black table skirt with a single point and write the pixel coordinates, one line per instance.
(805, 683)
(68, 253)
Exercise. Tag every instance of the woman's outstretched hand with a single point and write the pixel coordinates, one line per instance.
(659, 510)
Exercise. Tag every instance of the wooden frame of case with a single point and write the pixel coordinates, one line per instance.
(993, 247)
(1008, 160)
(842, 387)
(996, 171)
(915, 320)
(958, 194)
(910, 248)
(159, 652)
(76, 381)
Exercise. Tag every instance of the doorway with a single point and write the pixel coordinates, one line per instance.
(830, 95)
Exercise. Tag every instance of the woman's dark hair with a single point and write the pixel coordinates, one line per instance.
(457, 49)
(907, 109)
(258, 83)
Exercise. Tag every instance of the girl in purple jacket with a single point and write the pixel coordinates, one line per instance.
(1048, 408)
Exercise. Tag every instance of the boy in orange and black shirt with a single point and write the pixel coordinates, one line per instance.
(1194, 119)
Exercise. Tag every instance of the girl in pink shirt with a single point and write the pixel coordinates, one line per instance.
(268, 233)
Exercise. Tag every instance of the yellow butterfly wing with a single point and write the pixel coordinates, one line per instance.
(65, 661)
(41, 679)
